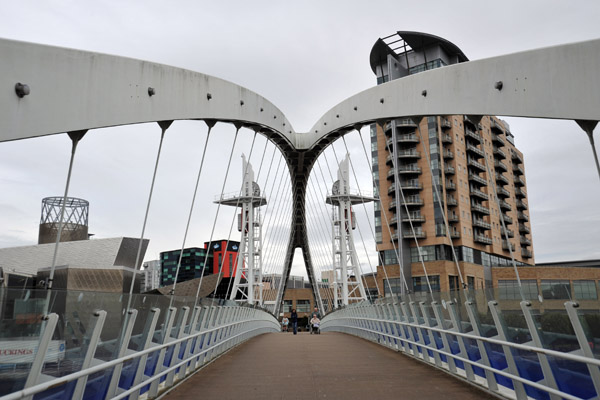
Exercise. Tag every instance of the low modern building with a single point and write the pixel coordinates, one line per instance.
(151, 279)
(195, 262)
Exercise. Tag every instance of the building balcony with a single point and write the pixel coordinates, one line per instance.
(405, 122)
(392, 205)
(446, 138)
(411, 201)
(411, 184)
(448, 155)
(498, 139)
(414, 217)
(505, 206)
(507, 220)
(526, 253)
(482, 239)
(405, 154)
(450, 185)
(522, 216)
(519, 181)
(445, 124)
(480, 209)
(451, 201)
(501, 179)
(476, 150)
(407, 169)
(523, 228)
(525, 241)
(449, 170)
(516, 156)
(521, 205)
(507, 232)
(503, 193)
(499, 153)
(473, 135)
(520, 193)
(407, 138)
(478, 193)
(500, 165)
(452, 217)
(476, 178)
(475, 164)
(496, 125)
(394, 221)
(480, 223)
(455, 234)
(505, 245)
(517, 170)
(410, 235)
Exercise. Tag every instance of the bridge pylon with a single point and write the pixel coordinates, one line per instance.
(348, 286)
(248, 285)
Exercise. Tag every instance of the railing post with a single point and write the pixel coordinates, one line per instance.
(415, 316)
(441, 321)
(461, 342)
(124, 345)
(430, 334)
(170, 318)
(175, 356)
(414, 348)
(97, 322)
(474, 319)
(508, 354)
(537, 342)
(35, 373)
(190, 344)
(584, 345)
(146, 343)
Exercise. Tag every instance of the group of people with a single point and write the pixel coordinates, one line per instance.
(314, 322)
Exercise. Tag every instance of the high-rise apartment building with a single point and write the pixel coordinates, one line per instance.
(462, 168)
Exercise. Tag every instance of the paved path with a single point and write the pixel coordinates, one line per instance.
(327, 366)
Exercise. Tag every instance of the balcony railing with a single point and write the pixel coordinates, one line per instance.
(495, 124)
(452, 217)
(411, 184)
(499, 153)
(410, 235)
(507, 232)
(519, 181)
(445, 124)
(481, 223)
(414, 217)
(446, 138)
(475, 150)
(498, 139)
(407, 138)
(449, 170)
(502, 192)
(480, 208)
(482, 239)
(405, 122)
(516, 156)
(504, 205)
(478, 193)
(477, 178)
(409, 169)
(505, 245)
(520, 193)
(473, 135)
(523, 228)
(471, 162)
(450, 185)
(517, 170)
(412, 201)
(522, 217)
(525, 241)
(451, 201)
(500, 165)
(507, 219)
(448, 154)
(501, 179)
(521, 205)
(526, 253)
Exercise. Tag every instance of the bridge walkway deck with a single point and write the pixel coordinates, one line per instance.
(326, 366)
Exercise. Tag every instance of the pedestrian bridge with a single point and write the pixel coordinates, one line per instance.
(84, 345)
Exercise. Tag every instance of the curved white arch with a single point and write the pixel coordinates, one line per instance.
(561, 82)
(75, 90)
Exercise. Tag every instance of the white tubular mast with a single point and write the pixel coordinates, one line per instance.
(247, 286)
(347, 281)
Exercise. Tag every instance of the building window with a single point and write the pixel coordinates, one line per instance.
(420, 283)
(392, 286)
(287, 306)
(509, 289)
(585, 290)
(453, 282)
(471, 282)
(389, 257)
(302, 306)
(556, 289)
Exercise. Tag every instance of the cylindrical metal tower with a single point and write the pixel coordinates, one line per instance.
(75, 220)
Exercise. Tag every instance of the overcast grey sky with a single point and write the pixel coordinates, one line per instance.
(305, 57)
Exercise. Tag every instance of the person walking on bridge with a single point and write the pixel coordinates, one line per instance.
(294, 320)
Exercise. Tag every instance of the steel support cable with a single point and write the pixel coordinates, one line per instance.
(187, 226)
(368, 258)
(277, 257)
(75, 138)
(275, 238)
(512, 257)
(317, 255)
(365, 210)
(237, 204)
(139, 250)
(387, 223)
(320, 231)
(359, 230)
(237, 130)
(444, 214)
(267, 180)
(384, 270)
(399, 220)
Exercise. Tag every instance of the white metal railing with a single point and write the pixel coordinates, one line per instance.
(165, 355)
(456, 340)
